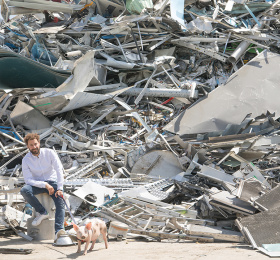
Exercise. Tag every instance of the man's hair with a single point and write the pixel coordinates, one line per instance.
(31, 136)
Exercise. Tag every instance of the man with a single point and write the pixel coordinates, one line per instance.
(43, 173)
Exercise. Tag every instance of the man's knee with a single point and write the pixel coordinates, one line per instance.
(26, 189)
(58, 201)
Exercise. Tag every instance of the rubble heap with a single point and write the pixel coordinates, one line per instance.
(164, 113)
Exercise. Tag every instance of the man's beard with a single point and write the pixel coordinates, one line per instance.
(35, 151)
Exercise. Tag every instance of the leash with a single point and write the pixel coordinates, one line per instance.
(68, 210)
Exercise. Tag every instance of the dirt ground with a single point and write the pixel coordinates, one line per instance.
(132, 249)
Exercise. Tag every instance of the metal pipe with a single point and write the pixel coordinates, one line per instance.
(155, 92)
(137, 47)
(4, 150)
(73, 54)
(169, 77)
(161, 106)
(12, 138)
(143, 90)
(12, 125)
(203, 39)
(123, 52)
(242, 47)
(15, 149)
(140, 36)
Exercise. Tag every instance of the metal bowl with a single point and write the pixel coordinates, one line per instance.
(64, 240)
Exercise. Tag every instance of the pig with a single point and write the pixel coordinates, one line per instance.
(91, 232)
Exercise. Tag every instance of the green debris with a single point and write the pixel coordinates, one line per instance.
(137, 6)
(43, 105)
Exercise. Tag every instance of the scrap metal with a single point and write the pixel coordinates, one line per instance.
(170, 108)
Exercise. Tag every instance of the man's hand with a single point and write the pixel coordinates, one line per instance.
(59, 193)
(50, 189)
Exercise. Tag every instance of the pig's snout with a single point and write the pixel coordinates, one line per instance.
(83, 237)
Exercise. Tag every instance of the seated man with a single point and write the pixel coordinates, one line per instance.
(43, 173)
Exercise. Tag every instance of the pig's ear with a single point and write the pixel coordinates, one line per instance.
(76, 228)
(88, 226)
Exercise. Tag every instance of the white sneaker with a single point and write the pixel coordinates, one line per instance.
(58, 234)
(37, 221)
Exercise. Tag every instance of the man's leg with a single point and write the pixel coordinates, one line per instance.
(29, 192)
(59, 209)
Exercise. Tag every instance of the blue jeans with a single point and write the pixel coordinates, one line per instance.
(29, 192)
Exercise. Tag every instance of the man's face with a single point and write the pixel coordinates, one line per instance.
(34, 146)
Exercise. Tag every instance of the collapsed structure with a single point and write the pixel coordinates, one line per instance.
(164, 113)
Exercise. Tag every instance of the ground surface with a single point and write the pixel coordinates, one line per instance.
(132, 250)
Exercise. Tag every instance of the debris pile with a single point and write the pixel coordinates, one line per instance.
(164, 113)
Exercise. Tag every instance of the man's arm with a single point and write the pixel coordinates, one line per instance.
(28, 177)
(57, 165)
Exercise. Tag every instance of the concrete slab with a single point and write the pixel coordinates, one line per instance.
(126, 250)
